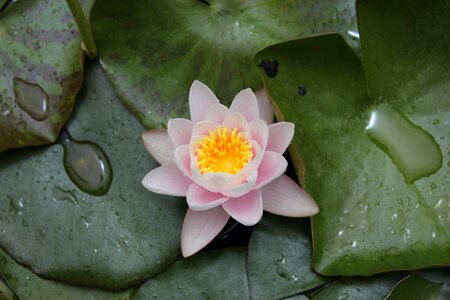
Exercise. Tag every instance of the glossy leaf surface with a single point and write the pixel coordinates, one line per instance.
(40, 71)
(63, 233)
(415, 286)
(214, 274)
(279, 258)
(153, 57)
(368, 288)
(371, 220)
(28, 286)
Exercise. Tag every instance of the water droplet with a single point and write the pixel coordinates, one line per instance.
(60, 194)
(87, 165)
(435, 121)
(31, 98)
(362, 205)
(433, 186)
(282, 269)
(86, 222)
(413, 150)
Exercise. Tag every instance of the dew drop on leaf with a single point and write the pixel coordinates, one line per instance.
(31, 98)
(412, 149)
(86, 164)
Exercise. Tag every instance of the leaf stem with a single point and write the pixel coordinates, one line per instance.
(84, 27)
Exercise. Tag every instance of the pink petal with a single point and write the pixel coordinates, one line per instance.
(199, 198)
(284, 197)
(203, 127)
(193, 143)
(167, 180)
(242, 188)
(265, 108)
(183, 159)
(200, 100)
(246, 104)
(217, 113)
(247, 209)
(158, 144)
(272, 166)
(236, 120)
(179, 131)
(200, 228)
(280, 136)
(260, 132)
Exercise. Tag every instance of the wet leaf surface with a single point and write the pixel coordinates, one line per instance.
(215, 274)
(40, 71)
(279, 258)
(153, 57)
(28, 286)
(368, 288)
(415, 286)
(371, 219)
(63, 233)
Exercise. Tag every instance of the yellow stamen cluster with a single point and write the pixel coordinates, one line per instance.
(224, 150)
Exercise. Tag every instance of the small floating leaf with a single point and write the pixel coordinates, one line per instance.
(412, 149)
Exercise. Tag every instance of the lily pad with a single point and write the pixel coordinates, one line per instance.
(153, 50)
(215, 274)
(368, 288)
(415, 286)
(371, 219)
(60, 232)
(279, 259)
(40, 71)
(31, 287)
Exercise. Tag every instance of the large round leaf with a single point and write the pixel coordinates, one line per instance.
(40, 71)
(28, 286)
(214, 274)
(153, 50)
(371, 219)
(62, 233)
(279, 259)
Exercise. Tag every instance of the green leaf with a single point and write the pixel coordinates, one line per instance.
(371, 220)
(215, 274)
(153, 57)
(28, 286)
(111, 241)
(279, 259)
(40, 73)
(415, 286)
(368, 288)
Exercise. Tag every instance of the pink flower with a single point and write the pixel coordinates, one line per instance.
(227, 162)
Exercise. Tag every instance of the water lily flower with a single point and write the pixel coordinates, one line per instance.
(226, 162)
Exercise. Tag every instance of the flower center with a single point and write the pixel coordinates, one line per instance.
(224, 150)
